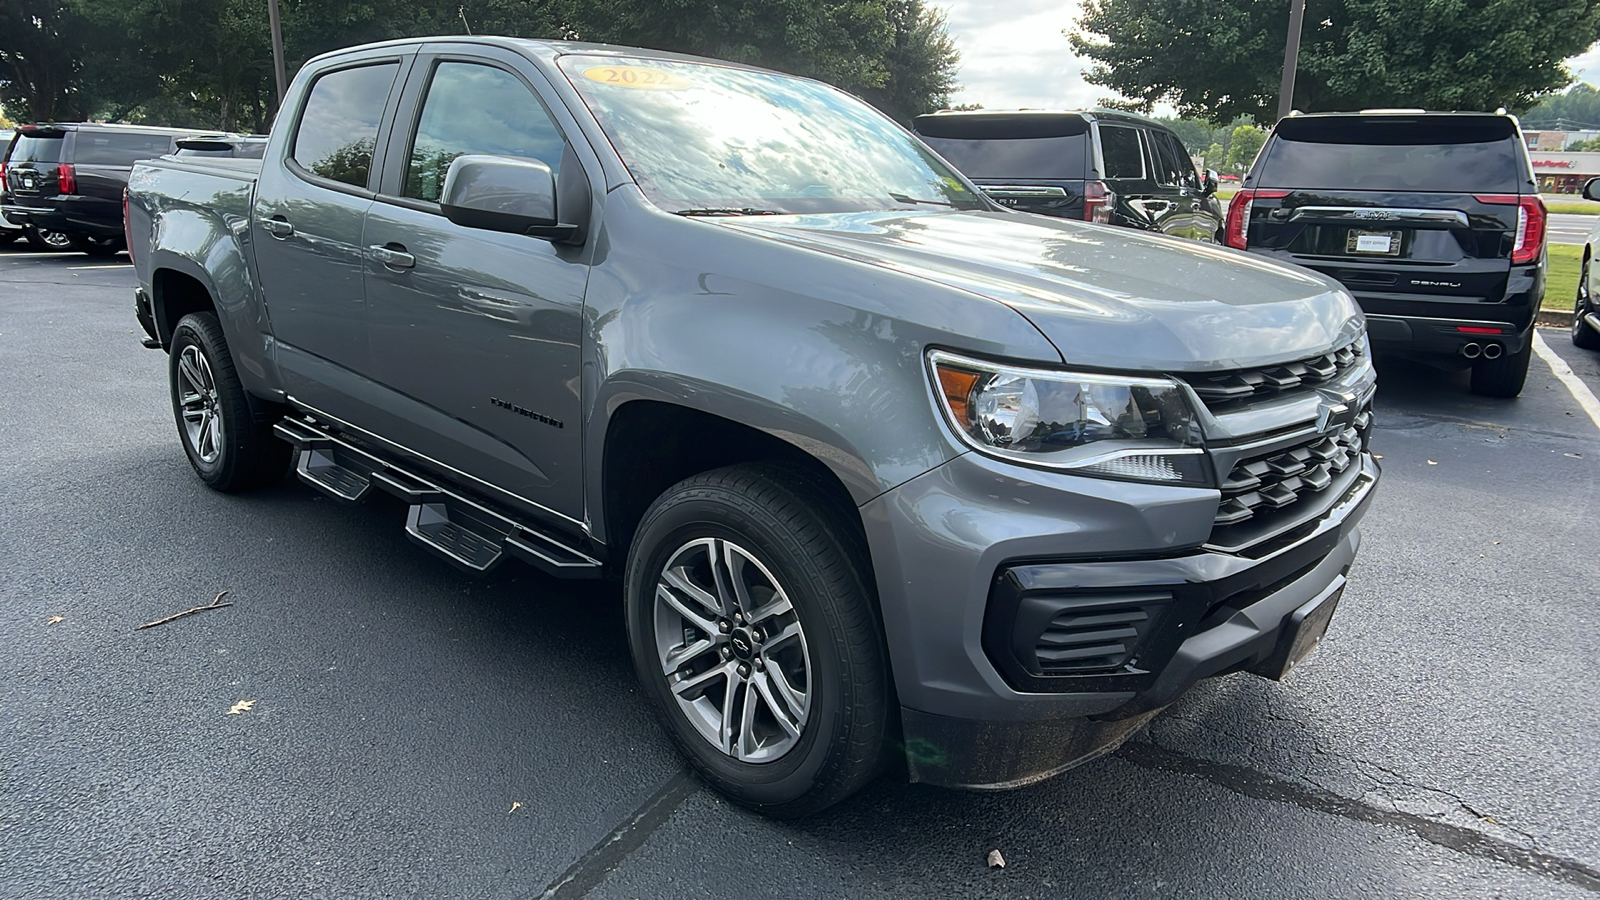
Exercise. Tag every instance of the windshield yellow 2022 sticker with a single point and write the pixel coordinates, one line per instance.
(636, 77)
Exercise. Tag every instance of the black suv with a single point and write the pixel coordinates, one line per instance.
(1432, 220)
(1099, 166)
(69, 179)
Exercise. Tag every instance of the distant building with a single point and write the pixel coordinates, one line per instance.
(1564, 173)
(1556, 141)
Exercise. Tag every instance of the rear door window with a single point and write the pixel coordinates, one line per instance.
(118, 148)
(473, 108)
(339, 127)
(1172, 162)
(36, 149)
(1442, 155)
(1121, 152)
(1060, 157)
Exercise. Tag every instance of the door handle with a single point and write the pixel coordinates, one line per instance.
(278, 227)
(394, 259)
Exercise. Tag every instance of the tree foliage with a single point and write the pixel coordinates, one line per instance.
(1578, 108)
(1219, 59)
(1245, 143)
(208, 63)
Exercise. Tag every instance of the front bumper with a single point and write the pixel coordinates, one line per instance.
(958, 549)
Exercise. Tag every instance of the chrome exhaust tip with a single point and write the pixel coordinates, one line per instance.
(1492, 351)
(1471, 351)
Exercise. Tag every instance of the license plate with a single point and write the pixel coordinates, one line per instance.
(26, 181)
(1377, 243)
(1302, 633)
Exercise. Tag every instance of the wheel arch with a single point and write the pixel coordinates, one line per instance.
(648, 445)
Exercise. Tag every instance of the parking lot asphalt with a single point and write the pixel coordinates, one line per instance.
(1571, 228)
(415, 732)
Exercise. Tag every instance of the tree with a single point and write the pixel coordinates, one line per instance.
(1578, 107)
(1216, 157)
(1590, 146)
(1245, 143)
(919, 63)
(37, 67)
(1217, 59)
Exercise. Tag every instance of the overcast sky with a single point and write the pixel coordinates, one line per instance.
(1018, 57)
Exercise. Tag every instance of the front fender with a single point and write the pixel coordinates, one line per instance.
(823, 353)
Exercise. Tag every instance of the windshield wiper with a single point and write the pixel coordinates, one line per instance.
(903, 198)
(726, 211)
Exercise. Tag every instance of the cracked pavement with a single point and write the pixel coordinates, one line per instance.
(1441, 743)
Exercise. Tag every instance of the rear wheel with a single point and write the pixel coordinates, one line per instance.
(96, 246)
(1505, 376)
(1583, 334)
(8, 235)
(44, 239)
(754, 633)
(229, 446)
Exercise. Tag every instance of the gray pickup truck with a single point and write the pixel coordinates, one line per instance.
(890, 475)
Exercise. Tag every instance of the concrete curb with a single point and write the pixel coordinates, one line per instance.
(1554, 318)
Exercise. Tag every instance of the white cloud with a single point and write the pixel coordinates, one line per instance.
(1014, 54)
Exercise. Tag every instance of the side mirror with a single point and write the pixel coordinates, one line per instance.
(498, 193)
(1591, 189)
(1208, 185)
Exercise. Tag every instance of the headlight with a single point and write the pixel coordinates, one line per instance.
(1139, 429)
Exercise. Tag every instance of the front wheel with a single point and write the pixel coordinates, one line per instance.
(228, 446)
(753, 631)
(44, 239)
(1584, 335)
(96, 246)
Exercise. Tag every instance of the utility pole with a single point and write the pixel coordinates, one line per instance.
(1291, 57)
(277, 49)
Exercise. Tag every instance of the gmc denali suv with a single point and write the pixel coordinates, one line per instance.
(886, 471)
(1432, 220)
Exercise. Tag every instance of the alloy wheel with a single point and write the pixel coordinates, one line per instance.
(197, 394)
(731, 647)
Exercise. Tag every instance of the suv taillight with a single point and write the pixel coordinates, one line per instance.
(1531, 221)
(1097, 202)
(2, 176)
(66, 179)
(1238, 228)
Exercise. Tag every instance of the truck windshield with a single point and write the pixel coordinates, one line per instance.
(709, 139)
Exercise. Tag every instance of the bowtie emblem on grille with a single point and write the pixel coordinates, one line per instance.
(1333, 415)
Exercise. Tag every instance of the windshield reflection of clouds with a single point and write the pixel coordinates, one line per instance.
(736, 138)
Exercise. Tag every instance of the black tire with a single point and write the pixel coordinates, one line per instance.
(47, 241)
(814, 553)
(245, 454)
(7, 236)
(97, 246)
(1583, 335)
(1505, 376)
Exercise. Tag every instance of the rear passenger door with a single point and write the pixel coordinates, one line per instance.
(311, 204)
(475, 334)
(1129, 174)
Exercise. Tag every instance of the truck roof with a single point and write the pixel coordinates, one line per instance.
(545, 49)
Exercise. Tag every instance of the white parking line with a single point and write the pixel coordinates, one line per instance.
(1563, 373)
(105, 266)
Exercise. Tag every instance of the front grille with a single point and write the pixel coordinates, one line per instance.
(1240, 387)
(1266, 493)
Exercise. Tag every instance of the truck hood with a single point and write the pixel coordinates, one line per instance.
(1108, 298)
